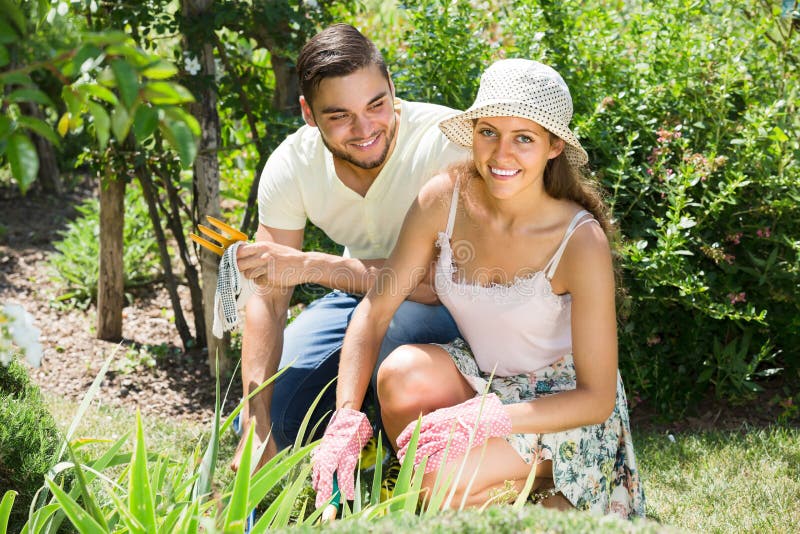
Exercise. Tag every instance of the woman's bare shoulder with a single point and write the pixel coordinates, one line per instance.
(437, 193)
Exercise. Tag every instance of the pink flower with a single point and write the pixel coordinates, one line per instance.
(735, 298)
(735, 238)
(729, 258)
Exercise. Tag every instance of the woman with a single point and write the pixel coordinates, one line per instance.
(525, 268)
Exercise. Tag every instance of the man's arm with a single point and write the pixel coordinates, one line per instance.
(275, 264)
(262, 344)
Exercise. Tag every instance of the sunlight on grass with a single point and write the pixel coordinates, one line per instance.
(173, 437)
(747, 481)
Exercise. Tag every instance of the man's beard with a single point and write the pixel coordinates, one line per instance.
(377, 162)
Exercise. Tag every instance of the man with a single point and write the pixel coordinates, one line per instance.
(353, 170)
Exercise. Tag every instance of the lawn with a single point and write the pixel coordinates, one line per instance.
(712, 481)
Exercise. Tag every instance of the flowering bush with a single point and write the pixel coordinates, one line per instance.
(17, 332)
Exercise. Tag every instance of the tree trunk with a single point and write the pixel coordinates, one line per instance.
(286, 98)
(110, 285)
(206, 183)
(172, 287)
(192, 279)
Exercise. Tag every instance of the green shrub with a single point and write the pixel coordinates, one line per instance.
(689, 113)
(75, 265)
(28, 439)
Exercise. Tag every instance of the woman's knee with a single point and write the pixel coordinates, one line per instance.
(402, 380)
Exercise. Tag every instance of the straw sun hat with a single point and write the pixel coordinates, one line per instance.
(521, 88)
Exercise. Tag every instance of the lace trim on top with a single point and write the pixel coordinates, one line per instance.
(524, 286)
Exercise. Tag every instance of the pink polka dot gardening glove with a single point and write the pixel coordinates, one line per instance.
(347, 433)
(459, 420)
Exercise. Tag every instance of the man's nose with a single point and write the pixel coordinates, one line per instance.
(362, 126)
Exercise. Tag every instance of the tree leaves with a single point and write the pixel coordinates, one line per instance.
(24, 161)
(127, 81)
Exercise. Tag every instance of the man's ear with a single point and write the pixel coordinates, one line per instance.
(305, 108)
(556, 147)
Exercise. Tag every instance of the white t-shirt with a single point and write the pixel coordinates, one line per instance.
(299, 183)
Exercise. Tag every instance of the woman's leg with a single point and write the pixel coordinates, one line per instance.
(418, 379)
(414, 380)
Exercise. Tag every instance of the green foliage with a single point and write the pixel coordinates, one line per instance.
(694, 135)
(28, 440)
(75, 264)
(107, 85)
(443, 52)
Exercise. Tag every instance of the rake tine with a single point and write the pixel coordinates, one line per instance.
(224, 241)
(213, 247)
(235, 234)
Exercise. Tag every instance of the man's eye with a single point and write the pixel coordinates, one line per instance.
(376, 105)
(337, 117)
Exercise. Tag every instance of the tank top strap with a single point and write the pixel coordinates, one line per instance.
(451, 219)
(552, 265)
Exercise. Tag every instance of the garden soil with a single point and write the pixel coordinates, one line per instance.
(179, 384)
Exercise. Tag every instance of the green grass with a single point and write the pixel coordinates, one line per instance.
(746, 481)
(172, 437)
(708, 482)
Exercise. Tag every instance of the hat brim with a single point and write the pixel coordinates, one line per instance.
(459, 128)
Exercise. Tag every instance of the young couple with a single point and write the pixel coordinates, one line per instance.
(484, 259)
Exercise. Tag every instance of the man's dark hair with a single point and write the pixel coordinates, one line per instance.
(338, 50)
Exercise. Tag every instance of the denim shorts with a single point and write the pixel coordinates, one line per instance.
(312, 344)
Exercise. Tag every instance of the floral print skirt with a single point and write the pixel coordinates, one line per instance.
(593, 466)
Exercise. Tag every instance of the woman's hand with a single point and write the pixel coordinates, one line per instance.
(347, 433)
(464, 426)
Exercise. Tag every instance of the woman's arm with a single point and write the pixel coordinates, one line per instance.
(405, 268)
(586, 272)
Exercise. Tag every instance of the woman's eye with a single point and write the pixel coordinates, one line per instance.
(524, 139)
(487, 132)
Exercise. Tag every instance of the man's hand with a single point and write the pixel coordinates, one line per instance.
(272, 264)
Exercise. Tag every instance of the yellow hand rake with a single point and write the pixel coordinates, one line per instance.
(233, 235)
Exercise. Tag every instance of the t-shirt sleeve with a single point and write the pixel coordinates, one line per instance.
(280, 202)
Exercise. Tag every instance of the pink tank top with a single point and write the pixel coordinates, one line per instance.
(518, 328)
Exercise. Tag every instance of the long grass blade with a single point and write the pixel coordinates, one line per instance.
(377, 475)
(275, 470)
(412, 498)
(301, 433)
(5, 509)
(37, 519)
(239, 407)
(87, 401)
(237, 509)
(79, 518)
(442, 483)
(206, 468)
(404, 476)
(522, 498)
(131, 522)
(87, 496)
(140, 494)
(54, 521)
(283, 511)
